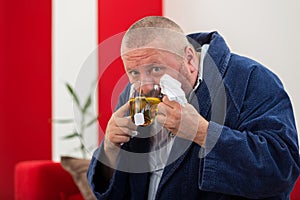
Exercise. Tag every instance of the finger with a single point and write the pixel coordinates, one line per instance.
(161, 119)
(161, 109)
(124, 131)
(172, 104)
(122, 110)
(165, 109)
(118, 139)
(118, 132)
(125, 122)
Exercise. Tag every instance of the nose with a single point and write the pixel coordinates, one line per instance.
(146, 88)
(146, 77)
(146, 83)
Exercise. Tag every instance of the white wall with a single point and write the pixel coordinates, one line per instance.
(74, 40)
(265, 30)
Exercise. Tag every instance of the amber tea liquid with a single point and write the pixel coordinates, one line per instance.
(145, 105)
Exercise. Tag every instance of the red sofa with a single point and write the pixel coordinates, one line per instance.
(44, 180)
(47, 180)
(295, 195)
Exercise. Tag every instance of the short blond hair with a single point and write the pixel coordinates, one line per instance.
(155, 32)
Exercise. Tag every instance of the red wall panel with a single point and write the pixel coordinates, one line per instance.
(115, 17)
(25, 86)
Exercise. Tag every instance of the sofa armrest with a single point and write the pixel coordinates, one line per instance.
(43, 179)
(295, 194)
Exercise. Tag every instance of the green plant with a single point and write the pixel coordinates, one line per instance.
(86, 119)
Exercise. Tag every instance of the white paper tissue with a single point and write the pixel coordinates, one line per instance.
(172, 88)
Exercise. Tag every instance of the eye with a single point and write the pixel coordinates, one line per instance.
(134, 73)
(156, 69)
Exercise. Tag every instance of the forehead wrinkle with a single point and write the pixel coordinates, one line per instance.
(145, 51)
(139, 58)
(143, 67)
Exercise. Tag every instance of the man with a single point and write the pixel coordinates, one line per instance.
(235, 138)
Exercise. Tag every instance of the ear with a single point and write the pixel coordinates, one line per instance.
(191, 59)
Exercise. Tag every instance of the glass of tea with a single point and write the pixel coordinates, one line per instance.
(144, 98)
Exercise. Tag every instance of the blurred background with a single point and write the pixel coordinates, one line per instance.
(44, 44)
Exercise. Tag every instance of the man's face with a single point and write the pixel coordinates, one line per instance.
(151, 64)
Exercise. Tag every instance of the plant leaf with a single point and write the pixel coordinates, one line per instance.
(75, 134)
(73, 94)
(91, 122)
(87, 104)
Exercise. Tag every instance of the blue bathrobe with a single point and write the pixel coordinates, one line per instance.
(251, 147)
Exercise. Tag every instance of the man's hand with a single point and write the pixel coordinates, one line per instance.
(183, 121)
(118, 131)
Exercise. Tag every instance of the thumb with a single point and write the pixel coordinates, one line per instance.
(122, 110)
(169, 103)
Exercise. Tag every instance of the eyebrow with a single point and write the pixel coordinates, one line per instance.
(145, 66)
